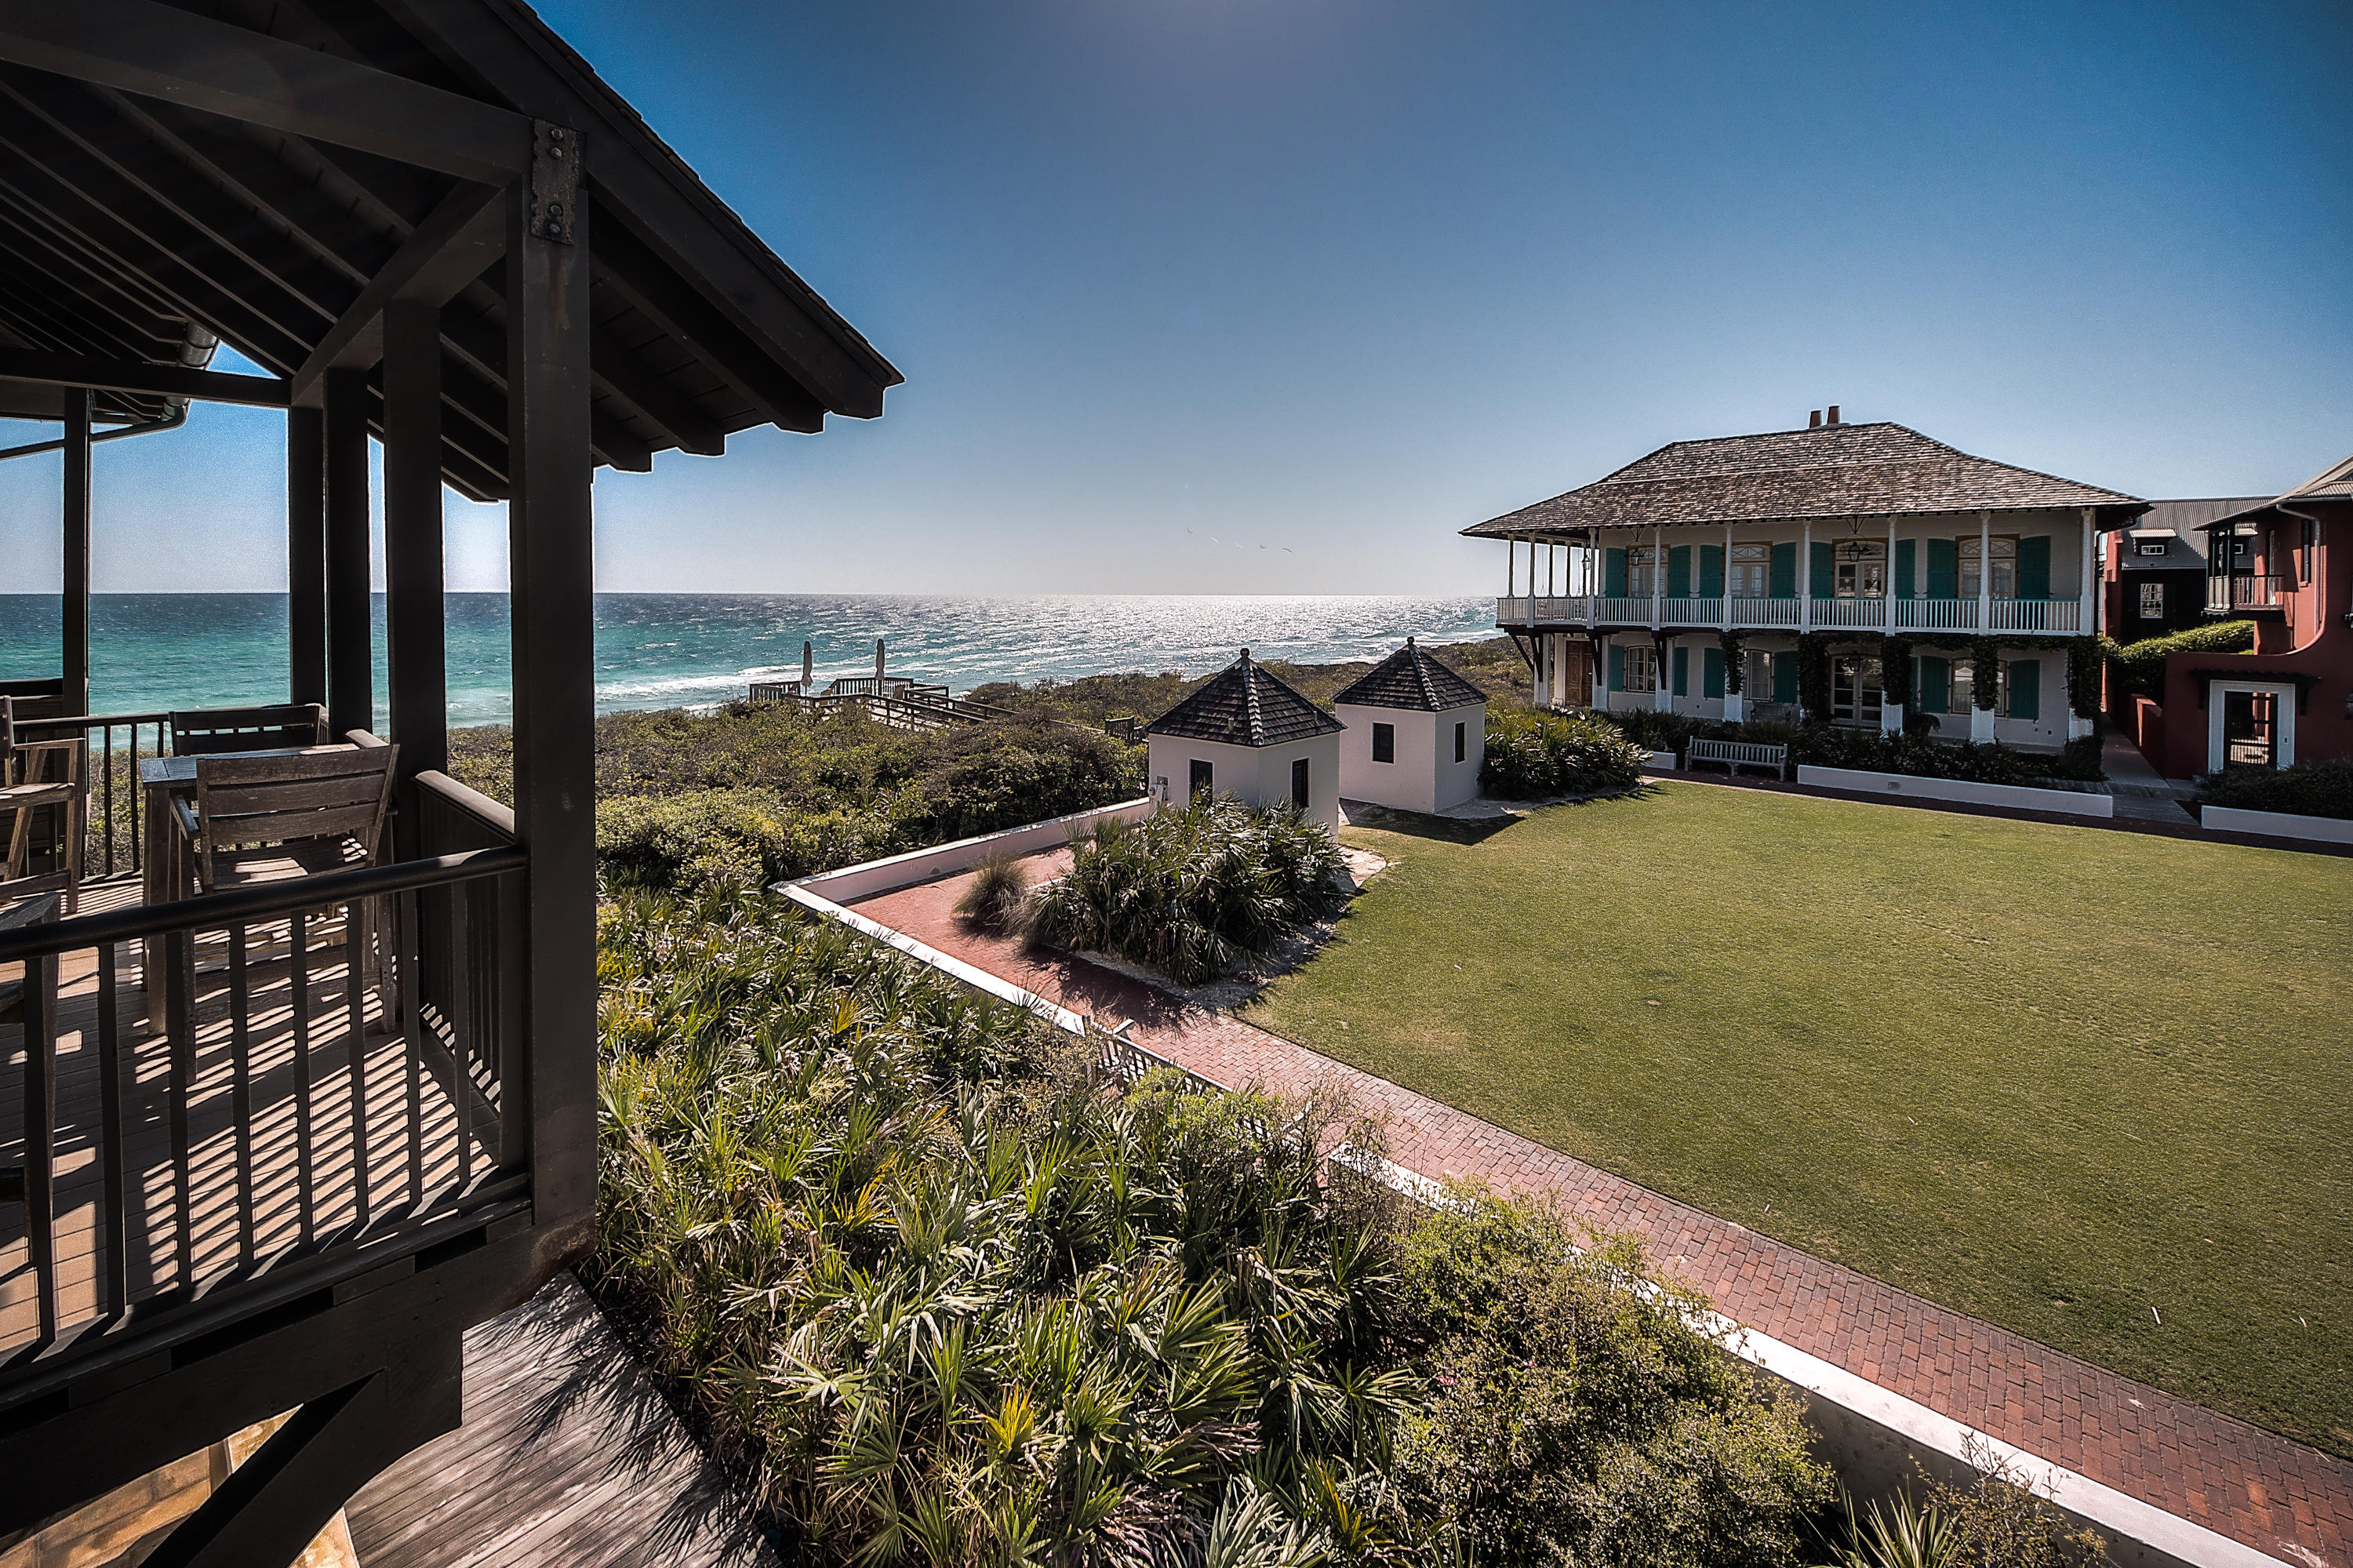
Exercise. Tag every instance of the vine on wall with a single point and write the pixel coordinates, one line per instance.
(1814, 675)
(1985, 672)
(1895, 671)
(1735, 674)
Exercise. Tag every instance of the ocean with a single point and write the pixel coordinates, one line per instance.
(151, 653)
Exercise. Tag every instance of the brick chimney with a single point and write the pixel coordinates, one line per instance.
(1833, 418)
(1814, 421)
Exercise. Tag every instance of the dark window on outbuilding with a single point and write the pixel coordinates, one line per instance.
(1200, 783)
(1384, 743)
(1459, 742)
(1299, 783)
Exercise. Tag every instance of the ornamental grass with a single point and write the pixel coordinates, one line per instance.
(937, 1298)
(1194, 893)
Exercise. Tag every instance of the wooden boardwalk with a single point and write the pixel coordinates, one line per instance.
(282, 1189)
(568, 1456)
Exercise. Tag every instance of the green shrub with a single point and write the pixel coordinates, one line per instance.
(941, 1300)
(1533, 756)
(1574, 1418)
(1655, 731)
(703, 837)
(997, 897)
(1193, 893)
(2141, 666)
(2306, 789)
(1995, 1520)
(1831, 745)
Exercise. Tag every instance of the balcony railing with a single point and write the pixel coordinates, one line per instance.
(2258, 592)
(322, 1092)
(2048, 616)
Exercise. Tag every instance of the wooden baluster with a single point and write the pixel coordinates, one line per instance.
(410, 1024)
(299, 981)
(240, 1013)
(461, 1025)
(116, 1284)
(355, 942)
(180, 1031)
(41, 1135)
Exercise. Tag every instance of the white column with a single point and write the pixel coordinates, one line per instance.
(1806, 575)
(1891, 714)
(1657, 577)
(2087, 588)
(1985, 571)
(1600, 646)
(1726, 605)
(1664, 699)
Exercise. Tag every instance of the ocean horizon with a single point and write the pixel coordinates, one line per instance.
(152, 652)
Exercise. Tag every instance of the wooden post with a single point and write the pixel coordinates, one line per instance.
(550, 538)
(351, 632)
(306, 556)
(2087, 586)
(74, 653)
(412, 535)
(1658, 579)
(1805, 584)
(1985, 572)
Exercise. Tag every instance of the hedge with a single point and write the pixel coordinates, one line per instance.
(2308, 790)
(2141, 666)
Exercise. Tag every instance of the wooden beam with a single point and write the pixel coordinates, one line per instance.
(306, 556)
(551, 574)
(775, 312)
(161, 51)
(640, 277)
(449, 249)
(351, 632)
(76, 617)
(412, 535)
(153, 380)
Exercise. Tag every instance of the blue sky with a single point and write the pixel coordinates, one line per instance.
(1338, 277)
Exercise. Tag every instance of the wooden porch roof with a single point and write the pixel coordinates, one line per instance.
(140, 217)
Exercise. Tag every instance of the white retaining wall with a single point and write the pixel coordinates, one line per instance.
(854, 881)
(2278, 824)
(1903, 784)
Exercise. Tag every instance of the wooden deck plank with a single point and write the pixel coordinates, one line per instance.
(567, 1455)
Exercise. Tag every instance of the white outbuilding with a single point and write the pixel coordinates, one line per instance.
(1247, 735)
(1417, 733)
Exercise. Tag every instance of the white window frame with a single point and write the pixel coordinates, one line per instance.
(1641, 668)
(2152, 590)
(2283, 690)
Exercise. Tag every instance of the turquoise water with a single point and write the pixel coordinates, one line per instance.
(151, 652)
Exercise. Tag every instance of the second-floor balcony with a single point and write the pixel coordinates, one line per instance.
(2232, 595)
(2058, 617)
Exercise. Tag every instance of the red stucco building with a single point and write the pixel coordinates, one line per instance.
(2287, 566)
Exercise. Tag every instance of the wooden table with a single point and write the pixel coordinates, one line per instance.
(166, 868)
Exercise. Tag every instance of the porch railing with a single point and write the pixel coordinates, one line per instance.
(2259, 592)
(111, 840)
(298, 1115)
(1862, 613)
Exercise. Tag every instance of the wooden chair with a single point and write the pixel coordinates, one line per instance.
(40, 776)
(208, 731)
(15, 918)
(278, 818)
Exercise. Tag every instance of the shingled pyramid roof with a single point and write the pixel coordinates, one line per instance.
(1244, 706)
(1410, 678)
(1832, 471)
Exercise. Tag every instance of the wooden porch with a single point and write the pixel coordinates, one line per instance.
(284, 1118)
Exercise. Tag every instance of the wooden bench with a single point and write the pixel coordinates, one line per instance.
(1737, 754)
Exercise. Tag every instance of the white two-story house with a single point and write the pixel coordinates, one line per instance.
(1706, 578)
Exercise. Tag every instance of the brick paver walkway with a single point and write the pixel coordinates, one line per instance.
(2281, 1497)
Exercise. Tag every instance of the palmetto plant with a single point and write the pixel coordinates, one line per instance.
(944, 1302)
(1193, 892)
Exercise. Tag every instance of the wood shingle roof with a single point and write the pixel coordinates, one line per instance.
(1410, 678)
(1835, 470)
(1244, 704)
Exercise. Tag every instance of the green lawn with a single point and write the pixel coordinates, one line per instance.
(2051, 1077)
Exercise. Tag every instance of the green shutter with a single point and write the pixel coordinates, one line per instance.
(1935, 683)
(1785, 676)
(1617, 668)
(1785, 571)
(1711, 672)
(1679, 572)
(1824, 574)
(1613, 575)
(1711, 571)
(2026, 688)
(1944, 569)
(1682, 671)
(2034, 566)
(1905, 556)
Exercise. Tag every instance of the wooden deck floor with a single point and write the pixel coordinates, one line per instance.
(568, 1456)
(250, 1200)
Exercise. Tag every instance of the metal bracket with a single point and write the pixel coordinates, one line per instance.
(554, 181)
